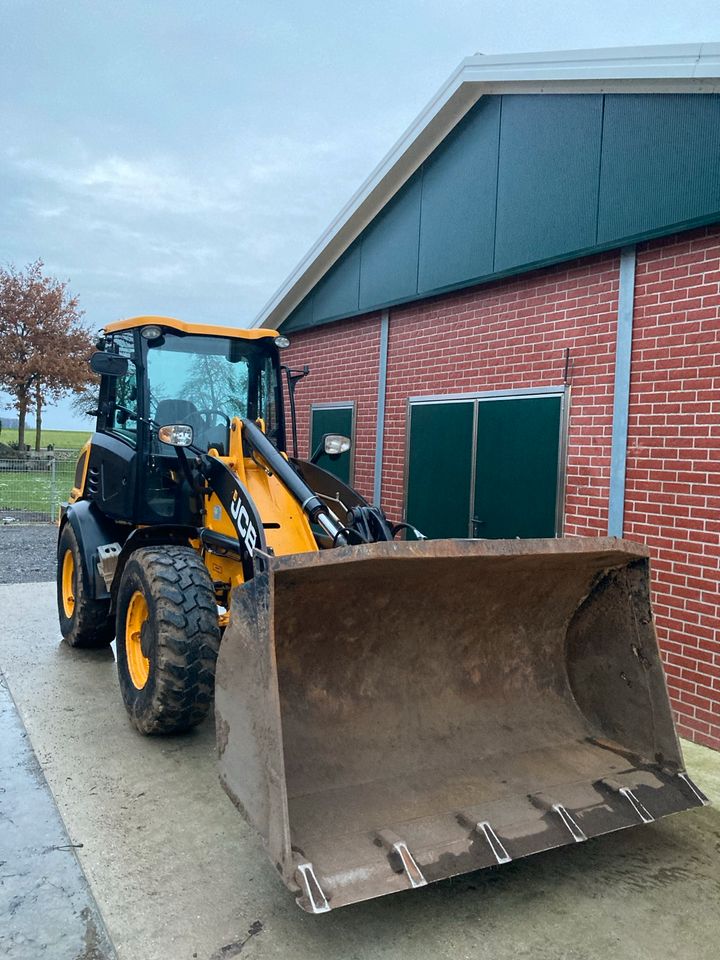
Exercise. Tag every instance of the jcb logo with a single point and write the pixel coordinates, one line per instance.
(245, 526)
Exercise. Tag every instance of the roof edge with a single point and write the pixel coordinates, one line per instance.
(208, 329)
(671, 68)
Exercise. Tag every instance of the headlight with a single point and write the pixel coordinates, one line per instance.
(151, 332)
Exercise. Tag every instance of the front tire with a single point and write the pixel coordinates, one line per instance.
(84, 621)
(167, 639)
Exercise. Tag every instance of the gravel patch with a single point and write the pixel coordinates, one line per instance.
(27, 552)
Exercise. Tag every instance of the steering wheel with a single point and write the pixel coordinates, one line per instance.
(208, 412)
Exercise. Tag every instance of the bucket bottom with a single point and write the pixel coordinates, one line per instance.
(365, 840)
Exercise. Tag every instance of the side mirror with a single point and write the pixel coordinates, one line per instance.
(332, 444)
(176, 435)
(335, 444)
(109, 364)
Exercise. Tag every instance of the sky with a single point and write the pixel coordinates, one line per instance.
(180, 158)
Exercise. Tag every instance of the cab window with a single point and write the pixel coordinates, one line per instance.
(123, 391)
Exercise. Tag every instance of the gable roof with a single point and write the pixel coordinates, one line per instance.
(684, 68)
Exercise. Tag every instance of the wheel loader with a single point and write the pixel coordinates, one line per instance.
(390, 710)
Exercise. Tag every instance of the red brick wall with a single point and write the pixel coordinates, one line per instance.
(673, 475)
(509, 335)
(513, 334)
(343, 360)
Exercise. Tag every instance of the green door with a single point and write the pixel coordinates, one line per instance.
(484, 468)
(439, 479)
(335, 419)
(516, 468)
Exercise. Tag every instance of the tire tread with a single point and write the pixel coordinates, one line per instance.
(92, 626)
(187, 639)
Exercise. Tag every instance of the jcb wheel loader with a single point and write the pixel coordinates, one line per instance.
(388, 712)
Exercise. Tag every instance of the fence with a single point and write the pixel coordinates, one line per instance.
(31, 490)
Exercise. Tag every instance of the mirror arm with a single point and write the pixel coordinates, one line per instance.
(293, 378)
(320, 450)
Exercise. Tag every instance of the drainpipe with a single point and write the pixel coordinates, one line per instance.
(380, 423)
(621, 400)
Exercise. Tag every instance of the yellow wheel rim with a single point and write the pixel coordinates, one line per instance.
(67, 584)
(138, 663)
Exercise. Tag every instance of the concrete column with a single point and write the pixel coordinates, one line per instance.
(380, 422)
(621, 401)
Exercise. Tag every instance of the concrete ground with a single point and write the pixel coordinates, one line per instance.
(177, 874)
(46, 906)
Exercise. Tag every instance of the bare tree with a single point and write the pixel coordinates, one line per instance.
(43, 345)
(85, 403)
(215, 384)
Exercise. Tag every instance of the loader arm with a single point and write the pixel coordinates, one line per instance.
(261, 500)
(258, 504)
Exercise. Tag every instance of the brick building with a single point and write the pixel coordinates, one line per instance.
(517, 317)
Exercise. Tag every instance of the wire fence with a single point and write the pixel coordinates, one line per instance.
(32, 489)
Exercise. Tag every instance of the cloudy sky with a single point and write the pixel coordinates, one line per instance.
(180, 157)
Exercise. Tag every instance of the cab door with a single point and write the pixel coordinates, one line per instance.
(111, 476)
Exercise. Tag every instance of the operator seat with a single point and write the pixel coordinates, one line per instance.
(176, 411)
(179, 411)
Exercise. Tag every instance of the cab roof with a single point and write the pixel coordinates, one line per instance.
(209, 329)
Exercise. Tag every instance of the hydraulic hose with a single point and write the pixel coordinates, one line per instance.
(310, 503)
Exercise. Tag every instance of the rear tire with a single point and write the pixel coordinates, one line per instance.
(84, 621)
(167, 639)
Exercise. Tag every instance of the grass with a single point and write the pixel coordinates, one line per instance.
(60, 439)
(31, 494)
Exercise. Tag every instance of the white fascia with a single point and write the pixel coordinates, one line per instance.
(675, 68)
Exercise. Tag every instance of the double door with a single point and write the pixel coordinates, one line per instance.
(486, 466)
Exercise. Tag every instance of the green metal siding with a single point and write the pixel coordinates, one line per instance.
(558, 177)
(457, 229)
(389, 255)
(338, 291)
(660, 162)
(547, 178)
(302, 316)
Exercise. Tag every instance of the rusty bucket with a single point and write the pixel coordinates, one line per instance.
(394, 714)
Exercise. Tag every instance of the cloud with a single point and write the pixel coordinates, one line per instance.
(249, 175)
(154, 185)
(207, 233)
(46, 212)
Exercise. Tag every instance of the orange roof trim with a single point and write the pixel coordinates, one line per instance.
(209, 329)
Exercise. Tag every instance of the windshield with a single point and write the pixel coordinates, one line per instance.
(206, 381)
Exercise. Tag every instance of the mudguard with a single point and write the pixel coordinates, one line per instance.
(92, 529)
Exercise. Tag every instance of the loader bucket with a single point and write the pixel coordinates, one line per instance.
(392, 714)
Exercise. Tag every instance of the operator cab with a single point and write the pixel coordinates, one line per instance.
(175, 374)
